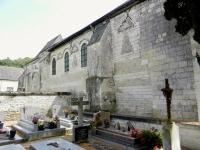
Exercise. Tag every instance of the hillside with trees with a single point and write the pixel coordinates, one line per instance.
(18, 63)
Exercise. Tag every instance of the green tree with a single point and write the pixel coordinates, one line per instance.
(18, 63)
(187, 14)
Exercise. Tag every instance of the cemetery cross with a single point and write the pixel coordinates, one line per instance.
(79, 101)
(167, 92)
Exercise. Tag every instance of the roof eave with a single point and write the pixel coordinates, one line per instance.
(106, 17)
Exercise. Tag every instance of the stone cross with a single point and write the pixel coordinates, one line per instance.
(79, 101)
(167, 92)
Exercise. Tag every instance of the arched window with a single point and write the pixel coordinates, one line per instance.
(84, 55)
(54, 66)
(66, 61)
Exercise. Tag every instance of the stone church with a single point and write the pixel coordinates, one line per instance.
(119, 63)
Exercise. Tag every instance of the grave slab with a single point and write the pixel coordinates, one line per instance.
(12, 147)
(8, 141)
(63, 145)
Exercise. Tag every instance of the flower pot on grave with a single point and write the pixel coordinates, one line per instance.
(58, 124)
(66, 115)
(35, 127)
(46, 125)
(40, 128)
(94, 130)
(1, 125)
(12, 134)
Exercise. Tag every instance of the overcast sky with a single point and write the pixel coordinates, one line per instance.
(27, 25)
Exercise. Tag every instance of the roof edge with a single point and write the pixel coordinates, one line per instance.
(109, 15)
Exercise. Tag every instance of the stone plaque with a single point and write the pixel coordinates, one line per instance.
(80, 134)
(106, 123)
(57, 110)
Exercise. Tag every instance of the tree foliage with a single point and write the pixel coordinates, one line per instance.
(187, 14)
(18, 63)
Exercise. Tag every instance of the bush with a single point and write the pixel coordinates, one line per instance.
(150, 138)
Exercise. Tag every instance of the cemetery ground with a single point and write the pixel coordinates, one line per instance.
(93, 143)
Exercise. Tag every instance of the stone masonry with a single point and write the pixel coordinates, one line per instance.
(129, 55)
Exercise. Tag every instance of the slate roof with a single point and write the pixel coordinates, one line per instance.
(10, 73)
(97, 34)
(49, 44)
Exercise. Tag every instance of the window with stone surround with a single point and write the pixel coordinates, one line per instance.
(66, 61)
(54, 66)
(84, 55)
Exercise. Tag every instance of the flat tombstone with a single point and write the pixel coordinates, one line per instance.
(62, 145)
(57, 110)
(80, 134)
(1, 116)
(27, 112)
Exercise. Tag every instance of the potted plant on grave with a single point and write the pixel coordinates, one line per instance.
(92, 126)
(72, 116)
(66, 112)
(46, 123)
(3, 134)
(41, 125)
(150, 139)
(35, 119)
(52, 124)
(57, 120)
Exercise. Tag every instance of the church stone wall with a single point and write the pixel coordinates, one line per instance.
(147, 50)
(127, 67)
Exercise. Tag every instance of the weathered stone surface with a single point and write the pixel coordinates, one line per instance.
(138, 49)
(62, 145)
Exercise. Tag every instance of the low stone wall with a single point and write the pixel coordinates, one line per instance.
(10, 103)
(190, 134)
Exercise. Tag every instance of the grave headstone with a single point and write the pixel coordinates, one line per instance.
(1, 116)
(28, 112)
(102, 116)
(57, 110)
(79, 102)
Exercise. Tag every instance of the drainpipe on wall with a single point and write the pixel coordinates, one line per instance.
(25, 79)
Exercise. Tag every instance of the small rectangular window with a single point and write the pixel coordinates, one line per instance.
(9, 88)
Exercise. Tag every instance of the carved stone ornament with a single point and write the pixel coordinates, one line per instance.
(126, 24)
(59, 56)
(85, 39)
(73, 49)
